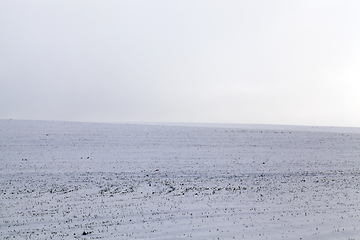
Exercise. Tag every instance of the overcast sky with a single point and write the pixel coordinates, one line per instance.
(268, 62)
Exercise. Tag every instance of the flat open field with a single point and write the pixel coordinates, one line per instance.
(65, 180)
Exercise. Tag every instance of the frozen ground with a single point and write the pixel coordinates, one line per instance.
(140, 181)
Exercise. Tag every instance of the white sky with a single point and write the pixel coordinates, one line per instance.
(268, 62)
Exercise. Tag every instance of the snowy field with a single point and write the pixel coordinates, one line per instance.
(64, 180)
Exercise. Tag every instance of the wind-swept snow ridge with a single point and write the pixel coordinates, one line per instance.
(140, 181)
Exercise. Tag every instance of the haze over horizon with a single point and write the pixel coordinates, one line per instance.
(253, 62)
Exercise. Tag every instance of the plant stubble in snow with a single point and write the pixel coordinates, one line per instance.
(123, 181)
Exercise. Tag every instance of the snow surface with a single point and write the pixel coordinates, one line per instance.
(60, 180)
